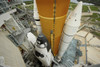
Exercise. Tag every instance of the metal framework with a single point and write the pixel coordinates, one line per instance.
(6, 4)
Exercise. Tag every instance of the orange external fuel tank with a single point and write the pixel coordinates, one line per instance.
(52, 15)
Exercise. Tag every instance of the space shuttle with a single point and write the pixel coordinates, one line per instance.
(42, 48)
(55, 35)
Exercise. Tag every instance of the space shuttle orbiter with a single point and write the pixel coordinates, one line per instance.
(42, 48)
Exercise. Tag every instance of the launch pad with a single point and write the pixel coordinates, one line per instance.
(49, 35)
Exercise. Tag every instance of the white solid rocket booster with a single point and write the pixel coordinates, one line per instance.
(70, 29)
(36, 17)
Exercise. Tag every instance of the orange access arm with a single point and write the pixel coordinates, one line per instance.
(52, 15)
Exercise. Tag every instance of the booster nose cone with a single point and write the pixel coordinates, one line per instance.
(70, 29)
(75, 16)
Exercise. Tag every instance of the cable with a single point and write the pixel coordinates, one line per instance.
(54, 23)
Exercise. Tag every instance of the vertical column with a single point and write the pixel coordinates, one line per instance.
(36, 17)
